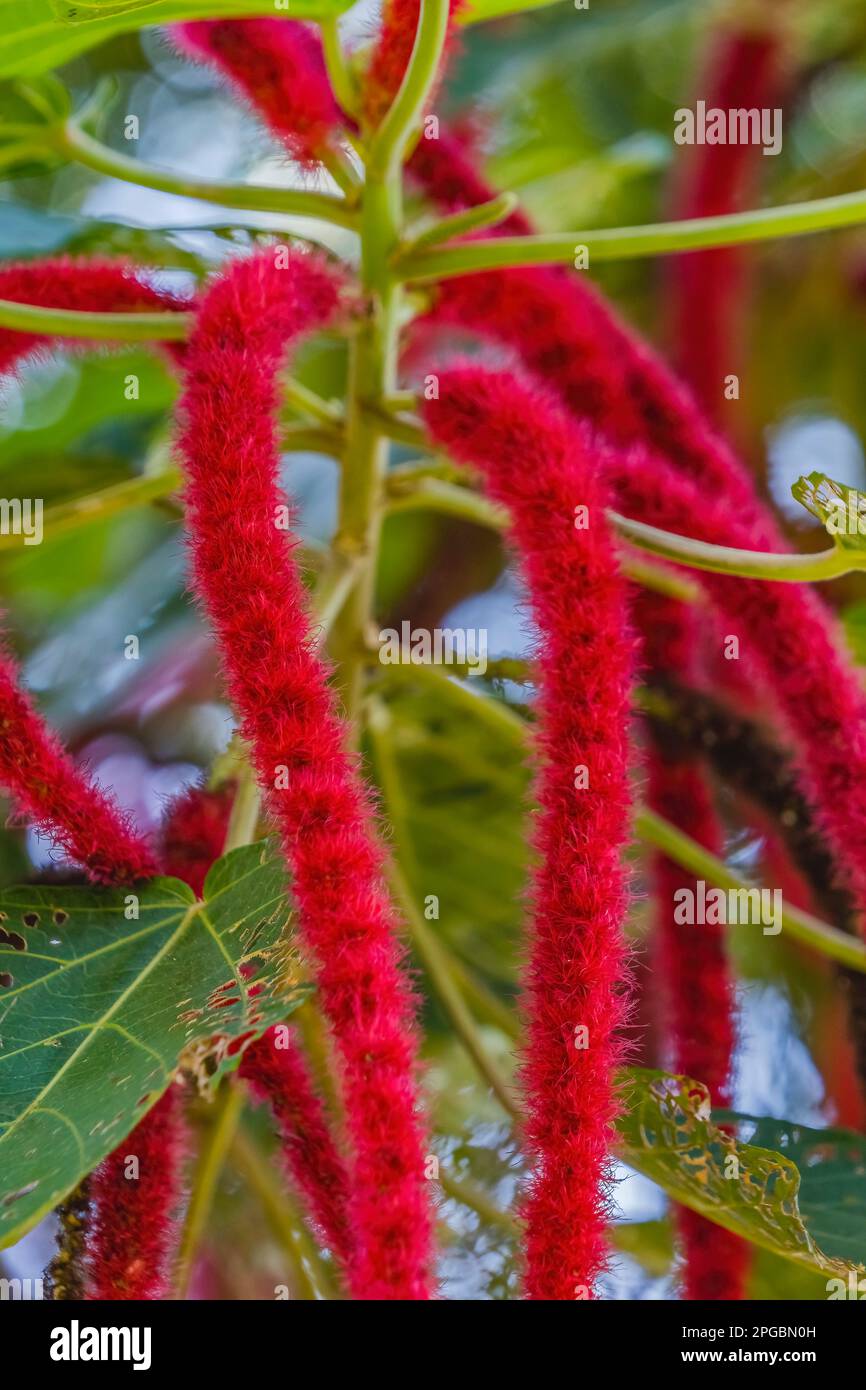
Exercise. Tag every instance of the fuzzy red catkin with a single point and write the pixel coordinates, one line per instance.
(246, 575)
(693, 964)
(277, 66)
(191, 839)
(792, 643)
(133, 1229)
(133, 1232)
(391, 54)
(542, 468)
(706, 289)
(44, 782)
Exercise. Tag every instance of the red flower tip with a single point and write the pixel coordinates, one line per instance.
(246, 577)
(545, 472)
(276, 65)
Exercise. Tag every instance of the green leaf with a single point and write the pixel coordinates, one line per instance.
(840, 509)
(36, 35)
(97, 1011)
(832, 1166)
(668, 1133)
(478, 11)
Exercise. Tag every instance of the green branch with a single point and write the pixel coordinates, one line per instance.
(629, 243)
(76, 144)
(747, 564)
(81, 323)
(391, 142)
(686, 852)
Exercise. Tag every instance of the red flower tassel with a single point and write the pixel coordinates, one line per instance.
(276, 65)
(545, 471)
(247, 578)
(135, 1194)
(707, 288)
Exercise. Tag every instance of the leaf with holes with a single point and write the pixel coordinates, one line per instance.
(840, 509)
(668, 1133)
(104, 993)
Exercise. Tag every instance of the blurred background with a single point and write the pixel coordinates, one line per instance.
(573, 110)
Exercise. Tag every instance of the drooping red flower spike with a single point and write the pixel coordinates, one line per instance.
(276, 1071)
(246, 575)
(135, 1195)
(42, 779)
(390, 56)
(67, 282)
(692, 960)
(545, 471)
(275, 1067)
(707, 289)
(783, 628)
(276, 65)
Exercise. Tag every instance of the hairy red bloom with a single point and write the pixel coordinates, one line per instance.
(193, 833)
(544, 470)
(276, 65)
(784, 628)
(277, 1072)
(43, 780)
(48, 788)
(706, 295)
(247, 577)
(135, 1206)
(392, 52)
(129, 1220)
(70, 283)
(693, 964)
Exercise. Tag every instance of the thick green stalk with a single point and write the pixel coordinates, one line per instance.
(629, 243)
(76, 144)
(211, 1160)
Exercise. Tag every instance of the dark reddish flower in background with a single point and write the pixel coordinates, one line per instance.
(246, 576)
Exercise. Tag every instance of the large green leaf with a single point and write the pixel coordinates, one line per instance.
(36, 35)
(832, 1167)
(97, 1011)
(668, 1133)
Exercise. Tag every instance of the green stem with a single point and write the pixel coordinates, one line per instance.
(340, 74)
(629, 243)
(459, 223)
(311, 1277)
(76, 144)
(246, 809)
(311, 404)
(97, 506)
(436, 494)
(747, 564)
(830, 941)
(80, 323)
(392, 141)
(471, 1195)
(433, 957)
(211, 1159)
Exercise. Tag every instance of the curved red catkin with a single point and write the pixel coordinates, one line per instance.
(134, 1195)
(276, 65)
(132, 1235)
(247, 578)
(706, 289)
(692, 960)
(543, 469)
(67, 282)
(791, 642)
(392, 51)
(43, 780)
(191, 839)
(276, 1071)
